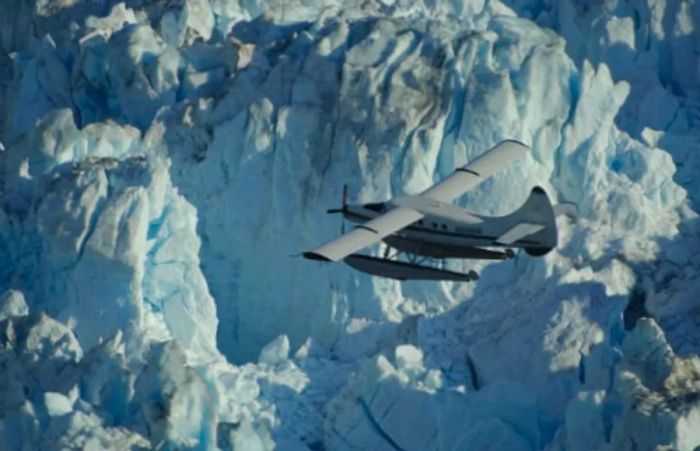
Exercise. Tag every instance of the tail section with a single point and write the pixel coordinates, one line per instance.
(533, 226)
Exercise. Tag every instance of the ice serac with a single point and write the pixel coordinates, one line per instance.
(405, 406)
(44, 363)
(651, 403)
(159, 164)
(103, 226)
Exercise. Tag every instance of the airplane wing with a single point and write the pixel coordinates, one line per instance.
(463, 179)
(365, 234)
(467, 177)
(432, 207)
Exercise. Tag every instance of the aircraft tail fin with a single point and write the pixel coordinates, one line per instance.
(536, 221)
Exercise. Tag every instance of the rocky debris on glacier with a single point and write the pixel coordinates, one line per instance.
(132, 191)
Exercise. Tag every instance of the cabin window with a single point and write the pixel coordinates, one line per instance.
(444, 227)
(435, 226)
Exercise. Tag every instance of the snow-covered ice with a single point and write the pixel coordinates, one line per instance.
(160, 162)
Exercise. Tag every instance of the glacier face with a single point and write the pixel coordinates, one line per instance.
(161, 163)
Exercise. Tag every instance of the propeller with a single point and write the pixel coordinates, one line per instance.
(343, 209)
(345, 203)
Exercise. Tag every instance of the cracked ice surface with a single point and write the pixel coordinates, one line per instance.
(161, 162)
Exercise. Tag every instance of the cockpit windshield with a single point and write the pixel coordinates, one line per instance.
(377, 206)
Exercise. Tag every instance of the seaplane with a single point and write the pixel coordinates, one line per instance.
(421, 232)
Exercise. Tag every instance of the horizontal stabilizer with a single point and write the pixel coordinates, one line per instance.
(518, 232)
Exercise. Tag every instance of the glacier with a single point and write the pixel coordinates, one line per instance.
(162, 162)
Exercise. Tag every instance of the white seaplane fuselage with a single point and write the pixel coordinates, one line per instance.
(429, 225)
(462, 234)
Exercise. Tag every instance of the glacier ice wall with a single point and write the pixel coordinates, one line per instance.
(161, 163)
